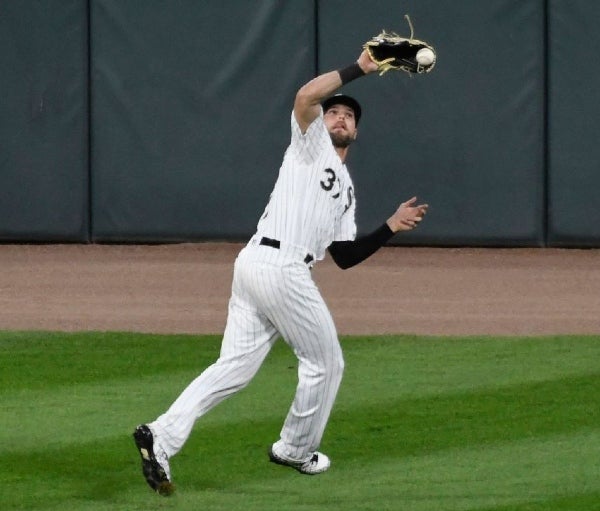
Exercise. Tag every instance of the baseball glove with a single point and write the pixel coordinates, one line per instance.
(390, 51)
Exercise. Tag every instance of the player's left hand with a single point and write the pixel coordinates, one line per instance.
(366, 63)
(407, 216)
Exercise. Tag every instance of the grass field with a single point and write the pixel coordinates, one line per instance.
(423, 424)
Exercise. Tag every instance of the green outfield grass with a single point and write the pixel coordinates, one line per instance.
(421, 424)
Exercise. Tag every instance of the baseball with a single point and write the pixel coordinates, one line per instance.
(425, 57)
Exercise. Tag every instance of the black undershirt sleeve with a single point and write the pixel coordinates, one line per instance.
(349, 253)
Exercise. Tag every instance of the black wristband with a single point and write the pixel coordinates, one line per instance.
(350, 73)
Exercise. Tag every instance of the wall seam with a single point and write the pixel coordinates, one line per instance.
(546, 121)
(316, 41)
(89, 122)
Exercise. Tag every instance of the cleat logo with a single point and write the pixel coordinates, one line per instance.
(145, 454)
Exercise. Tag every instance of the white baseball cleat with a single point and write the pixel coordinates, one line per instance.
(316, 463)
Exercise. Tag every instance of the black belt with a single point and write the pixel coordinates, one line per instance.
(268, 242)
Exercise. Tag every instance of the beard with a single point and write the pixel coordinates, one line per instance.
(341, 140)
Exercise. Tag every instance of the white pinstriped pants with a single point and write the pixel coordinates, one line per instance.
(272, 294)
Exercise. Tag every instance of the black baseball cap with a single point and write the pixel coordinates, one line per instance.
(342, 99)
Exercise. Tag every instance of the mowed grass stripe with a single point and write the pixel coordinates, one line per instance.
(44, 359)
(473, 477)
(408, 437)
(75, 410)
(426, 424)
(404, 363)
(512, 473)
(462, 478)
(420, 366)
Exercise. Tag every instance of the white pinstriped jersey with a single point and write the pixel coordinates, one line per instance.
(312, 203)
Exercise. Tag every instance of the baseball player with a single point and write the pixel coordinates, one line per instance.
(311, 210)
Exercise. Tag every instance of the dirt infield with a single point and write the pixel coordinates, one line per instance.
(184, 288)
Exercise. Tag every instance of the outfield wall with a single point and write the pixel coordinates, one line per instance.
(162, 121)
(44, 152)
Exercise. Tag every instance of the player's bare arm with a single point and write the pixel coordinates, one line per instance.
(407, 216)
(307, 104)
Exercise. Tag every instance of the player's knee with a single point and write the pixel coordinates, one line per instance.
(335, 364)
(327, 368)
(340, 362)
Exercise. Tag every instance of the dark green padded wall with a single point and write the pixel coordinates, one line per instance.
(43, 121)
(191, 108)
(574, 110)
(188, 107)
